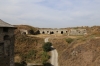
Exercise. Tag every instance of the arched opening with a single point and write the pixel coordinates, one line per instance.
(52, 32)
(7, 48)
(61, 32)
(56, 31)
(24, 33)
(43, 32)
(6, 37)
(66, 31)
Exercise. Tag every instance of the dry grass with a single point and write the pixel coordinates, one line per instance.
(28, 48)
(24, 45)
(83, 51)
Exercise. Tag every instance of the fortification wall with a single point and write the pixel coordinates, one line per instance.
(77, 32)
(53, 31)
(63, 31)
(7, 47)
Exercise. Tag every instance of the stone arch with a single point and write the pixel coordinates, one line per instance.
(47, 32)
(7, 44)
(6, 37)
(24, 33)
(62, 32)
(51, 32)
(43, 32)
(66, 31)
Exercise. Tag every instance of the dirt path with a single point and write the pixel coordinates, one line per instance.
(54, 57)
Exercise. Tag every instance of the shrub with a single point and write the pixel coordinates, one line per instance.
(69, 40)
(47, 64)
(32, 54)
(47, 46)
(20, 64)
(45, 57)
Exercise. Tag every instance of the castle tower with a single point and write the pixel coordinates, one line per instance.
(6, 44)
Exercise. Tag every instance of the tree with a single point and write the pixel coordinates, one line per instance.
(47, 46)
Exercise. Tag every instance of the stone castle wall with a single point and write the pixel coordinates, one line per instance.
(63, 31)
(77, 32)
(53, 31)
(7, 47)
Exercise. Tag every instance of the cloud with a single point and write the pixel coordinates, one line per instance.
(51, 13)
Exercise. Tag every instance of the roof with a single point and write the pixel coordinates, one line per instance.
(4, 24)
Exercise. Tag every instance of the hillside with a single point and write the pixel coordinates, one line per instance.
(82, 51)
(79, 53)
(28, 49)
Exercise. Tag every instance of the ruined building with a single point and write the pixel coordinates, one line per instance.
(6, 44)
(53, 31)
(63, 31)
(77, 32)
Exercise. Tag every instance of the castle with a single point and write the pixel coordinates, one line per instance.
(6, 44)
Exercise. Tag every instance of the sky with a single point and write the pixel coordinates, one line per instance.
(51, 13)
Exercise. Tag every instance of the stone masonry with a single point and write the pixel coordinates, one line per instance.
(6, 44)
(53, 31)
(77, 32)
(63, 31)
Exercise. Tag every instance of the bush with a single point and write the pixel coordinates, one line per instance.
(47, 64)
(32, 54)
(69, 40)
(23, 63)
(47, 46)
(45, 57)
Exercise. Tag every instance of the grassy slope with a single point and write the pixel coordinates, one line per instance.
(79, 53)
(28, 48)
(83, 51)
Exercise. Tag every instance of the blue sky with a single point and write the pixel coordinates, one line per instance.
(51, 13)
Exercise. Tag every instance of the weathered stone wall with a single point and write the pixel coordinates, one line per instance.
(63, 31)
(23, 31)
(77, 32)
(7, 44)
(53, 31)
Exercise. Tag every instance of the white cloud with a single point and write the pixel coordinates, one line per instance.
(50, 13)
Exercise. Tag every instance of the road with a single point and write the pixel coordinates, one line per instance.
(54, 57)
